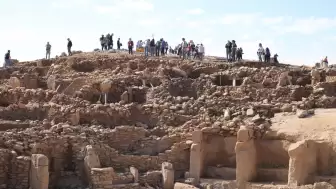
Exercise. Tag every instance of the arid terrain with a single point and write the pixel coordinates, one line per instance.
(115, 121)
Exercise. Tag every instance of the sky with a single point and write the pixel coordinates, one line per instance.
(299, 31)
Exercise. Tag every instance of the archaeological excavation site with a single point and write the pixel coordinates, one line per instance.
(115, 121)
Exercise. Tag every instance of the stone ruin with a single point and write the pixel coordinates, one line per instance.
(109, 120)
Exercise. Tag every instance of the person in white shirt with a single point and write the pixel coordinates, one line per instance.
(261, 53)
(147, 47)
(199, 51)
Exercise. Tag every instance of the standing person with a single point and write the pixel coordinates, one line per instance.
(102, 42)
(166, 47)
(119, 44)
(157, 47)
(325, 62)
(267, 55)
(112, 40)
(8, 61)
(106, 42)
(275, 58)
(152, 47)
(147, 47)
(192, 47)
(184, 48)
(130, 46)
(48, 48)
(69, 47)
(163, 47)
(228, 47)
(201, 51)
(261, 52)
(234, 50)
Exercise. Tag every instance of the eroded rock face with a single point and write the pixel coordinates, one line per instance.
(118, 121)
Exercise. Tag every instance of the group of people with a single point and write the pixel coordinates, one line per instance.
(152, 47)
(264, 55)
(184, 50)
(233, 53)
(187, 50)
(106, 42)
(48, 48)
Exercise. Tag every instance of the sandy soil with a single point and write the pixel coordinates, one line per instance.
(321, 126)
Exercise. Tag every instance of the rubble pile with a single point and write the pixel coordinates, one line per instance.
(109, 120)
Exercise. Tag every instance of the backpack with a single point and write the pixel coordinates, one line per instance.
(7, 56)
(152, 43)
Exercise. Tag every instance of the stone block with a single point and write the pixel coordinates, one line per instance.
(246, 161)
(105, 86)
(76, 85)
(244, 134)
(196, 161)
(302, 163)
(179, 185)
(39, 172)
(168, 175)
(197, 137)
(91, 159)
(135, 172)
(14, 82)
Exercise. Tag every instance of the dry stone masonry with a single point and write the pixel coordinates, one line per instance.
(114, 121)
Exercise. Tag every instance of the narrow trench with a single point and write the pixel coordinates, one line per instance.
(223, 80)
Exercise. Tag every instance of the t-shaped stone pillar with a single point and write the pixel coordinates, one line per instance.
(246, 157)
(168, 175)
(105, 87)
(39, 172)
(196, 156)
(302, 163)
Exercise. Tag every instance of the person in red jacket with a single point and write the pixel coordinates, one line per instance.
(130, 46)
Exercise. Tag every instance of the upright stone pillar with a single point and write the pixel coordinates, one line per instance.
(196, 156)
(168, 175)
(302, 163)
(246, 157)
(135, 172)
(39, 172)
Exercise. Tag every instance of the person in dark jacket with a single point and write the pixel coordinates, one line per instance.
(110, 42)
(130, 46)
(228, 48)
(119, 44)
(8, 61)
(69, 47)
(152, 47)
(275, 58)
(267, 55)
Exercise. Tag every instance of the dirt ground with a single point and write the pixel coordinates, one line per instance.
(321, 126)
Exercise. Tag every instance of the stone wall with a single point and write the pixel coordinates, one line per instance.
(152, 178)
(123, 138)
(102, 177)
(19, 172)
(5, 157)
